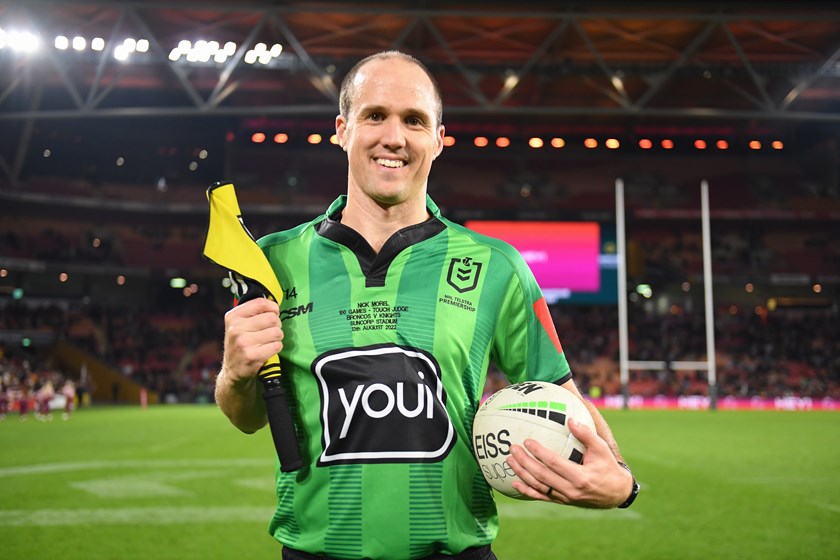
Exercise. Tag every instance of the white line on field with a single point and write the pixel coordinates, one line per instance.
(47, 468)
(133, 516)
(830, 507)
(540, 510)
(786, 480)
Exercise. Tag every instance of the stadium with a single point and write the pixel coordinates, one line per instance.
(670, 173)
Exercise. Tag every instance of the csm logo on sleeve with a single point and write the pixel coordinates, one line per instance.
(382, 404)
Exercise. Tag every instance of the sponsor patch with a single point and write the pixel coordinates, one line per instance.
(382, 404)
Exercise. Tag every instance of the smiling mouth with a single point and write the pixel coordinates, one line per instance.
(391, 163)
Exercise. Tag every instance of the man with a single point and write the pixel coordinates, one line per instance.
(391, 317)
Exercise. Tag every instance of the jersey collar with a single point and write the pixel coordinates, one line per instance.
(373, 265)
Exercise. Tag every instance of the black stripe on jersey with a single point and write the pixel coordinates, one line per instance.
(375, 266)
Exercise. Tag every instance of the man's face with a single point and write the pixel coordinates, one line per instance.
(391, 134)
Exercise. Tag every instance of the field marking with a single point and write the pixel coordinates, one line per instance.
(133, 516)
(554, 512)
(47, 468)
(117, 488)
(785, 480)
(830, 507)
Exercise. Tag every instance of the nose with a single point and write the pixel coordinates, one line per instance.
(393, 135)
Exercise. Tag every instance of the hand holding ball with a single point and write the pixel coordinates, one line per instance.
(535, 410)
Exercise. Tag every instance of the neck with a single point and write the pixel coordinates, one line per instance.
(377, 222)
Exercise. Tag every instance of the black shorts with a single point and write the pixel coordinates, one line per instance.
(475, 553)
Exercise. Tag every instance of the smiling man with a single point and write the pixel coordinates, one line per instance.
(399, 313)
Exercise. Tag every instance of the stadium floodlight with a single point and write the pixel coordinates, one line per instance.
(250, 57)
(130, 45)
(21, 41)
(143, 45)
(97, 44)
(230, 48)
(276, 50)
(62, 43)
(121, 53)
(174, 54)
(79, 43)
(184, 46)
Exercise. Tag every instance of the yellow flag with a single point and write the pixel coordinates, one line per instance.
(231, 245)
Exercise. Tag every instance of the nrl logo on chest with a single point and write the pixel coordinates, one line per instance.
(463, 274)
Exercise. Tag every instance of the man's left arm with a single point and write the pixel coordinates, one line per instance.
(600, 482)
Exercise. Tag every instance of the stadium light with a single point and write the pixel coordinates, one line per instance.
(668, 144)
(590, 143)
(502, 142)
(557, 142)
(536, 143)
(62, 43)
(777, 145)
(481, 141)
(314, 138)
(20, 41)
(98, 44)
(613, 143)
(448, 141)
(700, 144)
(645, 144)
(722, 144)
(281, 138)
(263, 54)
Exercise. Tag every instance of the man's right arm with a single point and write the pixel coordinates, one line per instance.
(253, 334)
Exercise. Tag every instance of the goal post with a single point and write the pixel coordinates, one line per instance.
(625, 363)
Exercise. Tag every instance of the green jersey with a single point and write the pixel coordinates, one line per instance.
(385, 355)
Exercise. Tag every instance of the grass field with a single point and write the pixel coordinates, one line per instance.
(179, 482)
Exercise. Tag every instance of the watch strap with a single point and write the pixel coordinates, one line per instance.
(633, 493)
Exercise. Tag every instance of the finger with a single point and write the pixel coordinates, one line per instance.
(557, 465)
(582, 432)
(254, 307)
(537, 475)
(589, 438)
(527, 484)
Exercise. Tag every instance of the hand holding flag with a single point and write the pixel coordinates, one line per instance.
(230, 245)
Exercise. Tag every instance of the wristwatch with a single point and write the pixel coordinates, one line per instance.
(634, 492)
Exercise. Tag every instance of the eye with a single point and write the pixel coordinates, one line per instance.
(376, 116)
(414, 121)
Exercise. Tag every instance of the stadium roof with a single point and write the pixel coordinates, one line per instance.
(531, 59)
(498, 63)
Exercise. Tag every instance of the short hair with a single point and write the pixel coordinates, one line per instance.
(347, 93)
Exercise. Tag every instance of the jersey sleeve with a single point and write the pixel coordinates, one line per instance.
(526, 346)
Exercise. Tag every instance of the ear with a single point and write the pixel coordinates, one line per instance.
(341, 131)
(440, 135)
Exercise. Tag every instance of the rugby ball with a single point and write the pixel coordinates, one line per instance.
(532, 409)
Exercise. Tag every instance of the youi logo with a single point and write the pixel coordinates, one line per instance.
(382, 404)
